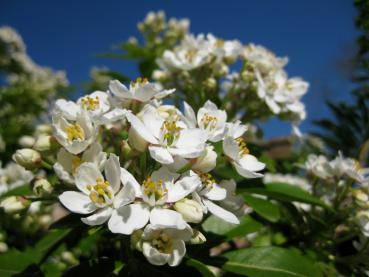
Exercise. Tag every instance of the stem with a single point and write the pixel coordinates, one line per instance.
(46, 165)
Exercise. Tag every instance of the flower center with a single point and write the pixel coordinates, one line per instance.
(219, 43)
(139, 82)
(163, 243)
(207, 179)
(242, 146)
(190, 54)
(154, 188)
(75, 132)
(100, 193)
(209, 121)
(171, 131)
(90, 103)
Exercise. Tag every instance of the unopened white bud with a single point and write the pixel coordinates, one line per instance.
(210, 83)
(26, 141)
(197, 237)
(44, 129)
(136, 141)
(207, 161)
(42, 187)
(44, 143)
(14, 204)
(28, 158)
(190, 210)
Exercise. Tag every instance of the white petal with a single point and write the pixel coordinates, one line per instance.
(119, 90)
(77, 202)
(87, 174)
(178, 252)
(129, 218)
(189, 115)
(112, 172)
(140, 128)
(221, 213)
(216, 193)
(112, 116)
(153, 255)
(125, 196)
(69, 109)
(183, 187)
(160, 154)
(128, 179)
(231, 148)
(145, 93)
(167, 218)
(99, 217)
(165, 175)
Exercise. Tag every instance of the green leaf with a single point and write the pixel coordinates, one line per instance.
(22, 190)
(202, 268)
(264, 208)
(286, 192)
(218, 226)
(270, 261)
(13, 262)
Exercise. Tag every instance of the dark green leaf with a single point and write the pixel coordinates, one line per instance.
(264, 208)
(271, 262)
(202, 268)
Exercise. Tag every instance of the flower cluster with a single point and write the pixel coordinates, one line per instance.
(160, 182)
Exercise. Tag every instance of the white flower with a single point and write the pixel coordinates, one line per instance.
(192, 53)
(262, 59)
(318, 165)
(141, 91)
(163, 187)
(96, 105)
(235, 148)
(231, 202)
(14, 204)
(74, 136)
(97, 195)
(13, 176)
(191, 210)
(229, 49)
(211, 191)
(209, 119)
(345, 166)
(67, 163)
(165, 245)
(167, 137)
(287, 179)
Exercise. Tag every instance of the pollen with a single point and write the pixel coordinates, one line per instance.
(190, 55)
(76, 162)
(100, 192)
(139, 82)
(209, 121)
(90, 103)
(171, 131)
(242, 146)
(75, 132)
(154, 188)
(207, 179)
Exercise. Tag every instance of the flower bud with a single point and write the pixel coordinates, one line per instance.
(44, 143)
(44, 129)
(207, 161)
(210, 83)
(197, 237)
(189, 209)
(42, 187)
(26, 141)
(14, 204)
(125, 149)
(28, 158)
(136, 141)
(3, 247)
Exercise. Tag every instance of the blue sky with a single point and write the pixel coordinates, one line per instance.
(314, 34)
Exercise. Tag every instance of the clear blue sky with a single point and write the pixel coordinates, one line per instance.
(314, 34)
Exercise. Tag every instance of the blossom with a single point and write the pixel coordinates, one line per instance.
(235, 148)
(74, 136)
(141, 90)
(318, 165)
(209, 119)
(192, 53)
(210, 191)
(231, 202)
(165, 245)
(96, 196)
(229, 49)
(346, 166)
(167, 137)
(13, 176)
(28, 158)
(97, 105)
(161, 188)
(67, 163)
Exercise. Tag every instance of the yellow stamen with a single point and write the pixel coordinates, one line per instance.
(242, 146)
(100, 190)
(139, 82)
(163, 243)
(75, 132)
(76, 162)
(209, 121)
(90, 103)
(171, 131)
(219, 43)
(207, 179)
(158, 189)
